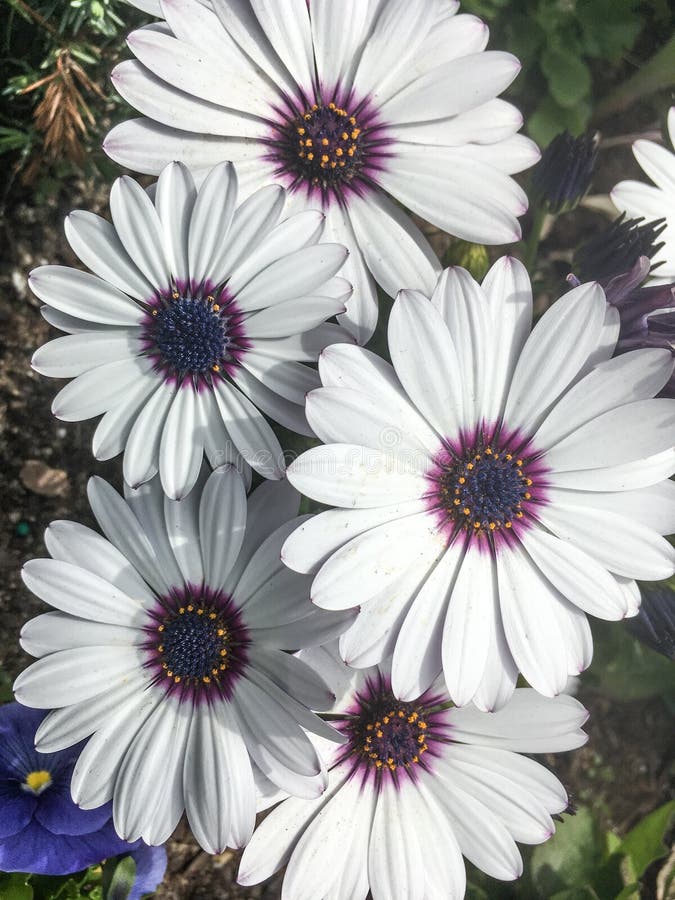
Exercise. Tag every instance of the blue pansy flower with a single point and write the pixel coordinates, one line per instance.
(41, 830)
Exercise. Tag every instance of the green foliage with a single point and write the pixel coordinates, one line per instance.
(584, 862)
(625, 669)
(113, 881)
(566, 47)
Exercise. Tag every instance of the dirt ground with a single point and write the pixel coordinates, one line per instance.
(623, 771)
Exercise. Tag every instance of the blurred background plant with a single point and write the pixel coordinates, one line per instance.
(57, 101)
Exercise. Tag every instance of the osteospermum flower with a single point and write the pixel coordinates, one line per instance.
(352, 106)
(654, 202)
(415, 787)
(493, 486)
(41, 830)
(202, 312)
(167, 648)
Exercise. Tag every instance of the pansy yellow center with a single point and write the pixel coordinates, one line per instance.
(38, 781)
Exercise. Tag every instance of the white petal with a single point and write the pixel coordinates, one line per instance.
(156, 754)
(112, 432)
(509, 294)
(55, 631)
(174, 201)
(146, 503)
(395, 857)
(622, 435)
(558, 347)
(58, 677)
(73, 543)
(222, 521)
(84, 296)
(351, 476)
(395, 250)
(417, 655)
(181, 445)
(319, 537)
(637, 375)
(96, 769)
(652, 506)
(210, 225)
(291, 318)
(527, 603)
(529, 723)
(467, 629)
(623, 545)
(658, 163)
(426, 361)
(182, 528)
(95, 241)
(141, 457)
(445, 874)
(625, 477)
(218, 780)
(66, 357)
(469, 199)
(360, 318)
(140, 230)
(286, 412)
(251, 434)
(288, 31)
(252, 222)
(124, 530)
(99, 389)
(82, 593)
(575, 574)
(365, 565)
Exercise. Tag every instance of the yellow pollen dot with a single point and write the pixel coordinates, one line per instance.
(344, 136)
(176, 679)
(222, 667)
(342, 164)
(415, 759)
(519, 515)
(369, 727)
(181, 610)
(466, 511)
(325, 158)
(175, 295)
(528, 482)
(492, 526)
(379, 734)
(390, 761)
(339, 151)
(401, 714)
(190, 608)
(169, 673)
(509, 457)
(206, 679)
(333, 165)
(164, 665)
(508, 524)
(214, 671)
(519, 462)
(355, 133)
(350, 152)
(301, 131)
(301, 154)
(385, 719)
(220, 632)
(310, 156)
(352, 120)
(332, 106)
(527, 495)
(38, 780)
(160, 649)
(420, 739)
(315, 106)
(309, 143)
(161, 628)
(200, 612)
(155, 312)
(378, 763)
(325, 142)
(462, 480)
(456, 501)
(469, 466)
(223, 652)
(210, 298)
(476, 524)
(307, 117)
(216, 307)
(488, 450)
(212, 616)
(422, 726)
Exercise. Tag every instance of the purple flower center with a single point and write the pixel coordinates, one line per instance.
(198, 644)
(391, 737)
(323, 146)
(190, 334)
(484, 489)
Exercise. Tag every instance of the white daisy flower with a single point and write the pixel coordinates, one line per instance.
(352, 106)
(654, 202)
(201, 315)
(493, 486)
(167, 647)
(416, 786)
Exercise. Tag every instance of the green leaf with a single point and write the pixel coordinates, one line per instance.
(571, 858)
(14, 887)
(569, 78)
(550, 119)
(644, 843)
(625, 669)
(119, 876)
